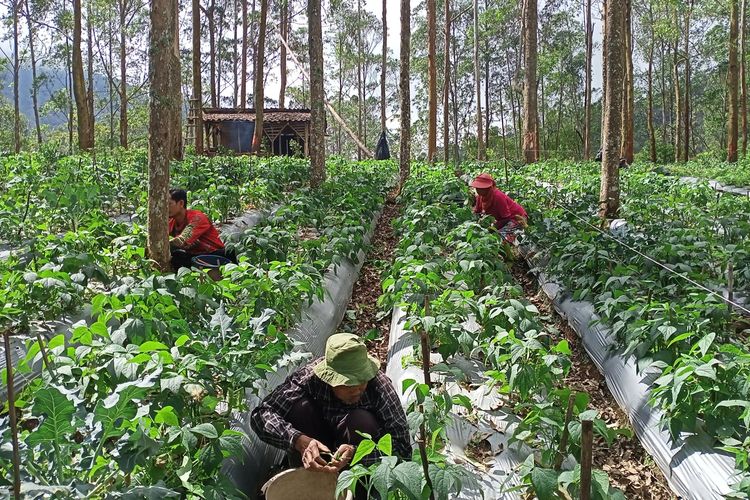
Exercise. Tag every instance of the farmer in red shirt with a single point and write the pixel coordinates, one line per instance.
(508, 214)
(191, 233)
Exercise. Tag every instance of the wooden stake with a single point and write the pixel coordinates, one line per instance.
(12, 414)
(587, 445)
(426, 350)
(564, 438)
(423, 452)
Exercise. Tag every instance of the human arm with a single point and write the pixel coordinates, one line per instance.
(197, 225)
(268, 420)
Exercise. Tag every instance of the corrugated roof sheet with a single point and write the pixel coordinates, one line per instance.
(269, 115)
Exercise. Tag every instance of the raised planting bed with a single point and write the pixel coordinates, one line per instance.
(140, 401)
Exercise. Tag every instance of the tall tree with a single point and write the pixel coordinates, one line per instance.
(210, 14)
(197, 77)
(123, 9)
(34, 81)
(360, 83)
(530, 127)
(384, 66)
(284, 28)
(678, 105)
(405, 92)
(16, 69)
(614, 36)
(733, 84)
(446, 80)
(90, 71)
(164, 71)
(85, 129)
(650, 90)
(587, 91)
(686, 113)
(478, 84)
(432, 81)
(258, 94)
(628, 134)
(317, 146)
(743, 74)
(243, 62)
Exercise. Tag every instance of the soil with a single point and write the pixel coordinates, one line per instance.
(629, 466)
(362, 316)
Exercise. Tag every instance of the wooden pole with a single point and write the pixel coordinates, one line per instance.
(587, 445)
(565, 433)
(331, 109)
(12, 414)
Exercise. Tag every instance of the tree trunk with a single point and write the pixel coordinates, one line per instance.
(516, 129)
(176, 91)
(628, 135)
(243, 63)
(664, 117)
(212, 45)
(431, 81)
(530, 127)
(284, 34)
(360, 91)
(650, 78)
(165, 78)
(197, 81)
(405, 90)
(85, 141)
(587, 92)
(733, 83)
(686, 114)
(478, 85)
(235, 60)
(609, 195)
(341, 91)
(123, 76)
(258, 93)
(677, 102)
(384, 66)
(446, 81)
(317, 96)
(743, 75)
(16, 70)
(90, 65)
(34, 85)
(502, 125)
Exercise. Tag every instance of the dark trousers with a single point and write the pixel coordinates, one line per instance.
(181, 258)
(305, 417)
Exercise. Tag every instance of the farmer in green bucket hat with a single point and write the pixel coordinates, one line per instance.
(316, 413)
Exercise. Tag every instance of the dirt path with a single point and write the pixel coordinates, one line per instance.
(630, 467)
(362, 316)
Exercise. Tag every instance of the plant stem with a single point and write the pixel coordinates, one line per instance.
(45, 357)
(13, 420)
(423, 452)
(425, 341)
(587, 444)
(564, 438)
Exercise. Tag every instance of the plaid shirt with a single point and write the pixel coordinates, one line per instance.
(380, 398)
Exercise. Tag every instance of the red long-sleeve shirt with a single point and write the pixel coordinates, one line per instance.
(197, 235)
(501, 206)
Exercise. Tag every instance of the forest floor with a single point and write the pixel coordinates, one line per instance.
(628, 465)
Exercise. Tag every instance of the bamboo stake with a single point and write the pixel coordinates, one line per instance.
(45, 357)
(587, 444)
(336, 116)
(12, 414)
(425, 341)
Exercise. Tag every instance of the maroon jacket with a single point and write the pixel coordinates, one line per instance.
(501, 206)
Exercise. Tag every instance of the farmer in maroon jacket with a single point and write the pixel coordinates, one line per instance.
(508, 214)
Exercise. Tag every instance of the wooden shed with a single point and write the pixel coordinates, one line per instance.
(285, 131)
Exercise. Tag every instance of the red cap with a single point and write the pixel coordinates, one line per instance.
(483, 181)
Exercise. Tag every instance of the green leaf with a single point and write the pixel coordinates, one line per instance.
(58, 414)
(544, 482)
(116, 409)
(172, 384)
(705, 343)
(181, 341)
(410, 478)
(231, 443)
(382, 478)
(443, 482)
(153, 345)
(345, 481)
(385, 445)
(206, 430)
(705, 371)
(167, 416)
(366, 446)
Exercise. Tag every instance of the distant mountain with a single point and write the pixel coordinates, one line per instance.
(54, 81)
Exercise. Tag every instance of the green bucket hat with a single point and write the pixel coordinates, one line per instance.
(346, 361)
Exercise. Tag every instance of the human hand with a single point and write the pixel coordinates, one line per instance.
(312, 459)
(342, 457)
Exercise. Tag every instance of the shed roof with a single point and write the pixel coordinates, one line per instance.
(269, 115)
